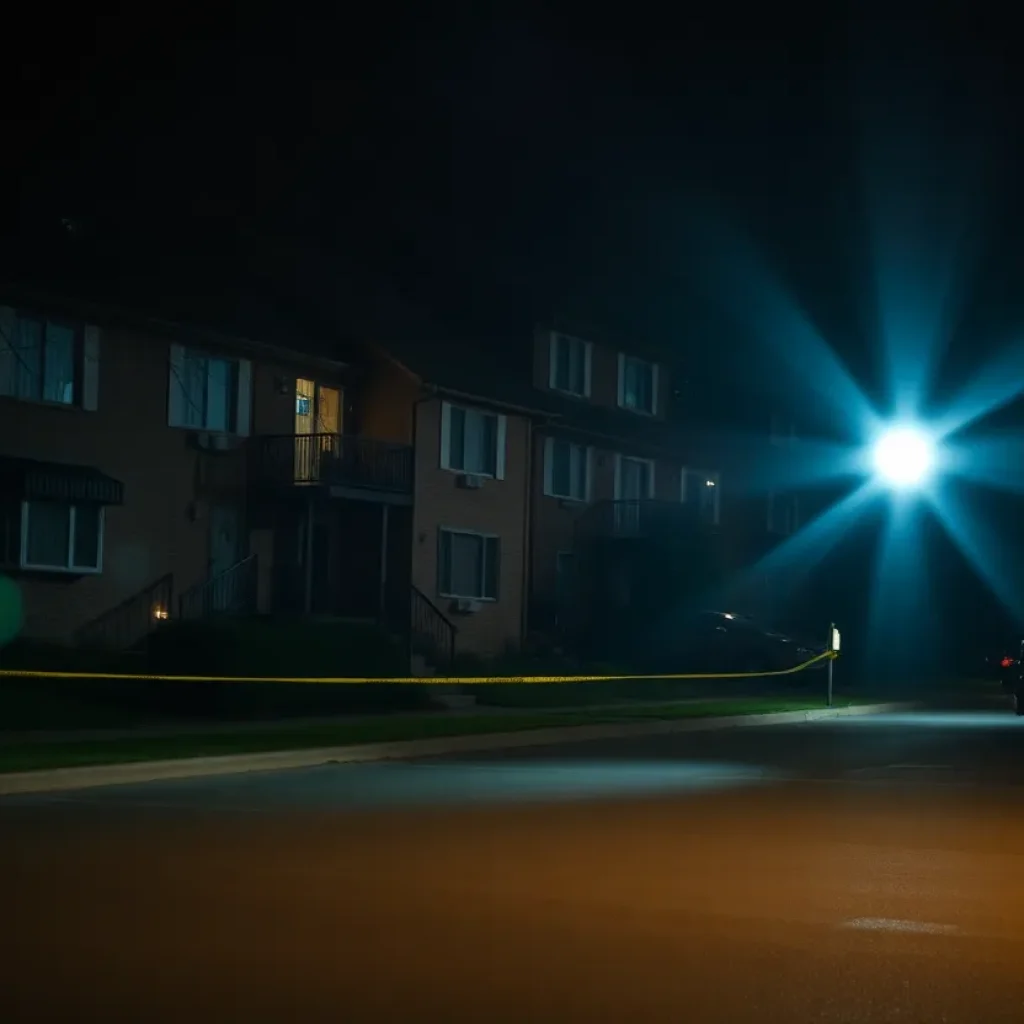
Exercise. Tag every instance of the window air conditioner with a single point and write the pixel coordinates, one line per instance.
(467, 605)
(471, 482)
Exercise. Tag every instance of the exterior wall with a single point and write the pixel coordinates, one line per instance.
(554, 519)
(170, 486)
(604, 373)
(161, 526)
(386, 404)
(499, 507)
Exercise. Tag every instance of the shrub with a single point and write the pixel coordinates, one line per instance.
(305, 649)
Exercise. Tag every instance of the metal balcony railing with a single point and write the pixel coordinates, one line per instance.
(286, 460)
(432, 634)
(231, 592)
(127, 624)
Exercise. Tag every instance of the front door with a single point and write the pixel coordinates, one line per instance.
(225, 549)
(634, 482)
(317, 426)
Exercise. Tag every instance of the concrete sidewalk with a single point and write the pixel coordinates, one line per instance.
(58, 779)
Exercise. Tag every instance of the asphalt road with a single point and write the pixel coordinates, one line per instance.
(860, 870)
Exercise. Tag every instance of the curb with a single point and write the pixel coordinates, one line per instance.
(57, 779)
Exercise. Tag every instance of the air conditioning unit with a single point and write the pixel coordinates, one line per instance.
(466, 605)
(471, 482)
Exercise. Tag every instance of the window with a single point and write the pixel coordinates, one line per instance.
(58, 537)
(45, 360)
(208, 392)
(468, 565)
(472, 441)
(570, 365)
(638, 385)
(783, 513)
(566, 470)
(703, 489)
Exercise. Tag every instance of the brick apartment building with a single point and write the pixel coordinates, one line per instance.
(470, 489)
(156, 468)
(603, 477)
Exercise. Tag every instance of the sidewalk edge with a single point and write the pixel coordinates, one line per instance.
(58, 779)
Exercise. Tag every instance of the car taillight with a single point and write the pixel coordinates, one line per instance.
(1007, 662)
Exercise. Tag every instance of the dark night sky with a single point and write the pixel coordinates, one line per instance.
(497, 171)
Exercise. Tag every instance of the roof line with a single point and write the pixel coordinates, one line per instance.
(441, 389)
(499, 403)
(208, 333)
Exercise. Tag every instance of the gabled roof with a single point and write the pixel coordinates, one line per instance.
(499, 368)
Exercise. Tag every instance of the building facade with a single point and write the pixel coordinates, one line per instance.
(155, 469)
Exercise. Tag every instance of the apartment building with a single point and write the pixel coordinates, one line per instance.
(572, 469)
(156, 468)
(467, 490)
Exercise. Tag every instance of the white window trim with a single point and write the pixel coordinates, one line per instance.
(86, 353)
(588, 360)
(243, 395)
(549, 476)
(77, 570)
(501, 439)
(622, 385)
(706, 475)
(468, 533)
(619, 459)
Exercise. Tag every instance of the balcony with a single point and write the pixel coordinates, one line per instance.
(640, 519)
(343, 462)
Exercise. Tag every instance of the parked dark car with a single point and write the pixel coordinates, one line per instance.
(713, 642)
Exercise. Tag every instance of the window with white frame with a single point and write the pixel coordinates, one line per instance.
(783, 514)
(61, 537)
(47, 360)
(208, 393)
(638, 385)
(468, 565)
(702, 490)
(566, 469)
(472, 441)
(570, 365)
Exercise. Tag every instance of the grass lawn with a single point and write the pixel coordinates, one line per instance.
(20, 756)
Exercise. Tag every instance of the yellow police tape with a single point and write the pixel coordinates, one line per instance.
(421, 680)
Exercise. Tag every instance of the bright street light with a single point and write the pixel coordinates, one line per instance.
(904, 457)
